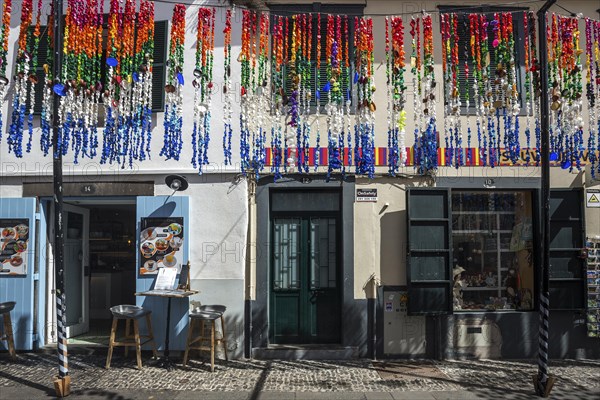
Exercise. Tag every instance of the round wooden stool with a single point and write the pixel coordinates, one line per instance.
(130, 313)
(199, 342)
(7, 334)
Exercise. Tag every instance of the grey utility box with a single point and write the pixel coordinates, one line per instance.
(403, 335)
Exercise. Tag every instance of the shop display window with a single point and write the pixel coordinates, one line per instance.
(492, 241)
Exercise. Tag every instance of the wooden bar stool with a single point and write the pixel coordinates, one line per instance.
(7, 333)
(130, 313)
(198, 342)
(219, 309)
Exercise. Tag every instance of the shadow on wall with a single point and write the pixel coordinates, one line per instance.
(393, 247)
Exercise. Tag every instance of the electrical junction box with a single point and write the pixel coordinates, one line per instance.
(403, 335)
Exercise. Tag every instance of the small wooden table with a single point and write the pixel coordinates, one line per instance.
(169, 294)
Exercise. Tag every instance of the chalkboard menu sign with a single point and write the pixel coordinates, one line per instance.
(161, 244)
(14, 242)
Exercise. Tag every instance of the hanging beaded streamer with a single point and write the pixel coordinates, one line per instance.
(348, 95)
(318, 94)
(528, 84)
(426, 143)
(227, 112)
(334, 107)
(141, 76)
(592, 34)
(110, 142)
(506, 83)
(124, 80)
(262, 97)
(203, 84)
(467, 90)
(452, 101)
(566, 81)
(47, 98)
(293, 129)
(22, 83)
(278, 97)
(247, 58)
(174, 97)
(396, 94)
(364, 145)
(415, 69)
(536, 79)
(305, 71)
(487, 111)
(4, 33)
(33, 79)
(80, 77)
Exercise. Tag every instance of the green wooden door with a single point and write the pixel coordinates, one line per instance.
(305, 296)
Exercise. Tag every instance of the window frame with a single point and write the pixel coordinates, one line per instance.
(582, 280)
(519, 34)
(156, 90)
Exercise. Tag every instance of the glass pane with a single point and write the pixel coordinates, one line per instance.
(565, 264)
(74, 279)
(286, 253)
(428, 299)
(566, 295)
(74, 225)
(305, 201)
(322, 253)
(565, 205)
(428, 235)
(429, 267)
(565, 234)
(428, 204)
(492, 245)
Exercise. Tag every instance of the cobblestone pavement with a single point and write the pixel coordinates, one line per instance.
(36, 371)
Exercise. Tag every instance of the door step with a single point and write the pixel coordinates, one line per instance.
(305, 352)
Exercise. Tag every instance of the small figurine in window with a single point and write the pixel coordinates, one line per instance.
(512, 284)
(459, 284)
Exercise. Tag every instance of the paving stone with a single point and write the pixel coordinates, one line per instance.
(33, 375)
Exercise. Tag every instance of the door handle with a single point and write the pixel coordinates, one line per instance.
(86, 270)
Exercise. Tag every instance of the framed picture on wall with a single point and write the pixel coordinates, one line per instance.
(161, 244)
(14, 245)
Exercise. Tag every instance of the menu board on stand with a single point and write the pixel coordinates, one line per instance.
(161, 244)
(14, 242)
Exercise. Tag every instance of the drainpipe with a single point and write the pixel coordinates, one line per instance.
(543, 382)
(250, 268)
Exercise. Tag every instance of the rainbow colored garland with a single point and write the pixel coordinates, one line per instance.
(173, 120)
(364, 128)
(396, 93)
(203, 84)
(278, 90)
(227, 114)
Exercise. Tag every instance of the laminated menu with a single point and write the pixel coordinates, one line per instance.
(14, 242)
(161, 244)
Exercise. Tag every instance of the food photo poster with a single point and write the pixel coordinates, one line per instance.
(14, 242)
(161, 244)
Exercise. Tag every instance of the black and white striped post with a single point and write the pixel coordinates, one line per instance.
(543, 383)
(62, 384)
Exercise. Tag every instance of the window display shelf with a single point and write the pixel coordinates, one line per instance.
(469, 231)
(477, 288)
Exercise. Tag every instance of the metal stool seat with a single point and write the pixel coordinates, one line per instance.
(130, 313)
(208, 314)
(7, 334)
